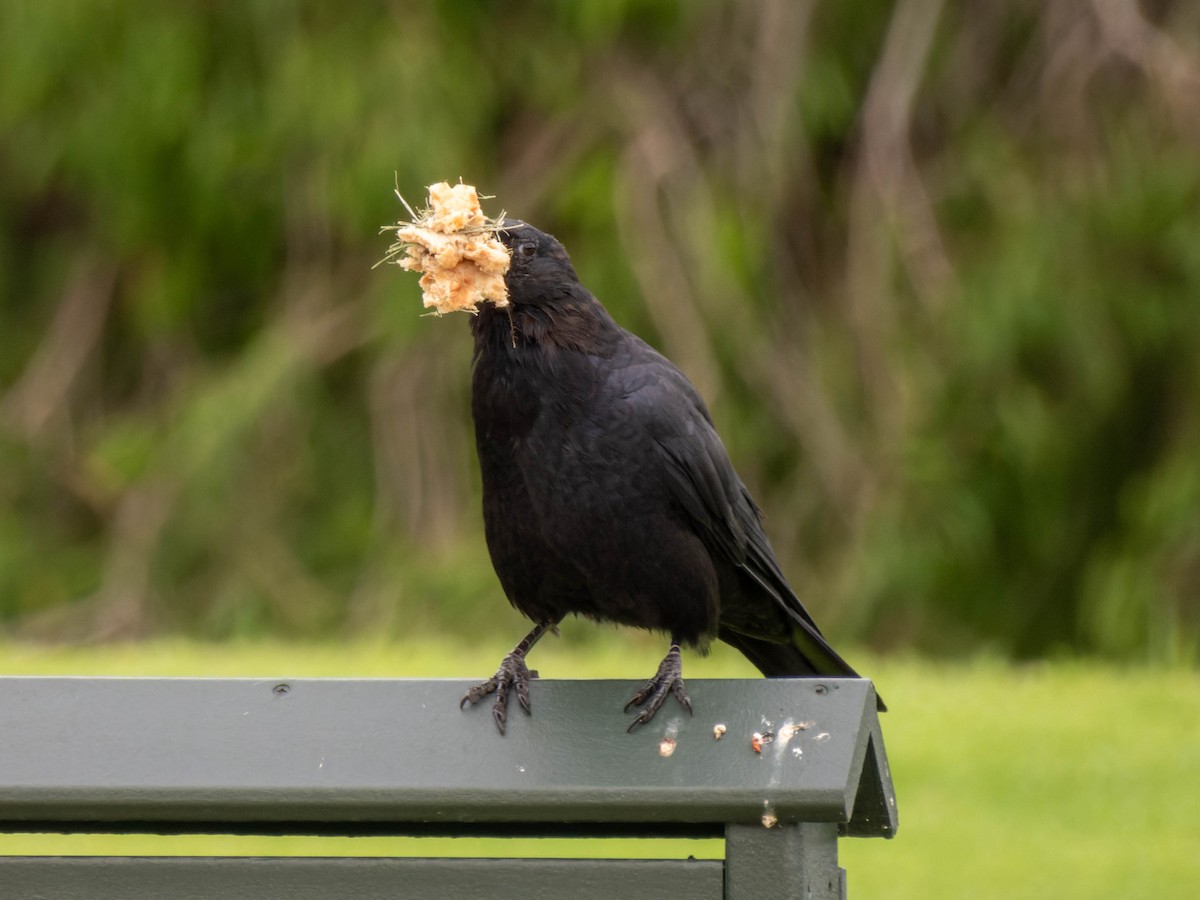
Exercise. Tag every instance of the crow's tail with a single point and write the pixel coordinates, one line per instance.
(783, 660)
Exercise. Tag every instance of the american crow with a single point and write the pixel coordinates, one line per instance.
(607, 492)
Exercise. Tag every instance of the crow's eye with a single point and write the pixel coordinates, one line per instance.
(527, 249)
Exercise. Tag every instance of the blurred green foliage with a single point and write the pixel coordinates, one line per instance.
(935, 266)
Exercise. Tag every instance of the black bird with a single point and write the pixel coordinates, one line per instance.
(607, 492)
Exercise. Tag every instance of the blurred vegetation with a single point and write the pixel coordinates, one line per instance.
(935, 266)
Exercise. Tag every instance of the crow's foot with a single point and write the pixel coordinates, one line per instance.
(668, 680)
(513, 674)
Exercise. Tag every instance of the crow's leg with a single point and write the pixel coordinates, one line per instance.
(668, 680)
(513, 673)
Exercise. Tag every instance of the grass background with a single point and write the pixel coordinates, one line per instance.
(1060, 779)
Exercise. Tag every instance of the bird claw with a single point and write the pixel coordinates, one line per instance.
(513, 675)
(667, 680)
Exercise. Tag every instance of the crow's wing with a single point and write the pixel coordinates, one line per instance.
(703, 482)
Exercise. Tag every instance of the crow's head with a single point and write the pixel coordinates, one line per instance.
(541, 271)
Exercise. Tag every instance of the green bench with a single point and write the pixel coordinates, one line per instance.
(798, 764)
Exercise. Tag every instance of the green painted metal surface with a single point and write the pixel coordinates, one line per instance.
(84, 878)
(798, 861)
(781, 768)
(399, 755)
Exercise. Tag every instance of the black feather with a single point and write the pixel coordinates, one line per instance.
(607, 492)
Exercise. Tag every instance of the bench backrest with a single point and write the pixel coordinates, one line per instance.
(780, 768)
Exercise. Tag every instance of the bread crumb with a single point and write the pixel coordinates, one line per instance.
(454, 245)
(769, 819)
